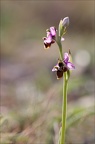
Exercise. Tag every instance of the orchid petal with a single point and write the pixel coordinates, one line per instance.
(54, 69)
(70, 66)
(48, 33)
(48, 39)
(53, 31)
(66, 57)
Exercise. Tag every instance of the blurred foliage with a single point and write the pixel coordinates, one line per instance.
(43, 81)
(79, 114)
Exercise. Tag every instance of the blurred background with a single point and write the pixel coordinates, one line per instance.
(31, 96)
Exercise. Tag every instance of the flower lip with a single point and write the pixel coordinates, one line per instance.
(47, 45)
(59, 69)
(59, 74)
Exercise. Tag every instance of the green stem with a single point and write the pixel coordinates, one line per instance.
(60, 51)
(64, 109)
(60, 47)
(64, 104)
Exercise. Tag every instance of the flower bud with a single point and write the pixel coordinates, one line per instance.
(65, 22)
(63, 25)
